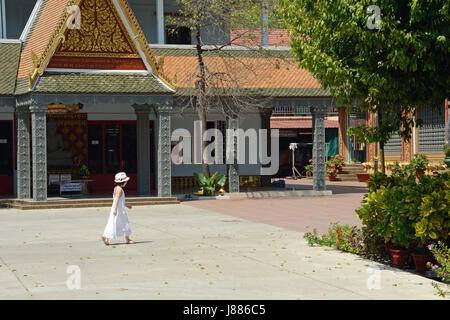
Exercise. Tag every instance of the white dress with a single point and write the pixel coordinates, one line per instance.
(118, 225)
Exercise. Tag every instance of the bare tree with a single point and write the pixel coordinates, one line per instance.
(222, 74)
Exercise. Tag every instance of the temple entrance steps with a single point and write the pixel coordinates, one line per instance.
(350, 171)
(61, 203)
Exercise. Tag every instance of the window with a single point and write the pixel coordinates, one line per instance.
(178, 35)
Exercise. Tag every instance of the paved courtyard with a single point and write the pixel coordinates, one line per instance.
(220, 249)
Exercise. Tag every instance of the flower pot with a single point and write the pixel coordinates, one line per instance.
(399, 257)
(420, 261)
(332, 178)
(339, 171)
(419, 174)
(362, 177)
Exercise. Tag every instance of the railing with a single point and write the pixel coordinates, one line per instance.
(294, 111)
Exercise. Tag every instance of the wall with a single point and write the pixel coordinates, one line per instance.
(186, 121)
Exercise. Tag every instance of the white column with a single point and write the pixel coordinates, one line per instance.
(2, 19)
(265, 24)
(160, 22)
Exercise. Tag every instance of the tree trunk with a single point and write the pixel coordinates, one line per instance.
(383, 167)
(201, 97)
(382, 164)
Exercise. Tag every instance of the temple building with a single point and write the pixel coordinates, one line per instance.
(94, 87)
(93, 93)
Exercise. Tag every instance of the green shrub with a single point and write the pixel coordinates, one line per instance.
(406, 212)
(377, 180)
(434, 210)
(342, 237)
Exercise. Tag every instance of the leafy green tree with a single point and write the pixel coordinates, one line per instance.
(382, 55)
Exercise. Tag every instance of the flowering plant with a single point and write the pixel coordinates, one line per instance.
(399, 171)
(338, 161)
(342, 237)
(442, 267)
(419, 162)
(331, 168)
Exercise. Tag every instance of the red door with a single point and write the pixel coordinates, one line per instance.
(6, 158)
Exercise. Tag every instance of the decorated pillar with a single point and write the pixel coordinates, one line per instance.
(265, 114)
(143, 148)
(233, 168)
(319, 156)
(23, 152)
(39, 145)
(164, 158)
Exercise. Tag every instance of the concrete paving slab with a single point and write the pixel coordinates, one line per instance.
(183, 252)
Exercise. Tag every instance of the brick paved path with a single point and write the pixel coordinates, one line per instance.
(299, 214)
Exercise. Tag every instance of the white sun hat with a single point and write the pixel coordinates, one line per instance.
(121, 177)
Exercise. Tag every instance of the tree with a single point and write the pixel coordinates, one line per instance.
(218, 82)
(390, 65)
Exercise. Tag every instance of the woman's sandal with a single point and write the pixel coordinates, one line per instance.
(130, 242)
(105, 240)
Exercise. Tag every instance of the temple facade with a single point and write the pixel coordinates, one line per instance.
(90, 92)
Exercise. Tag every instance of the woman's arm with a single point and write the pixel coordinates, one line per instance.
(117, 193)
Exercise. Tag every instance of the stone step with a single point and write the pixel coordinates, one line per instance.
(347, 177)
(82, 203)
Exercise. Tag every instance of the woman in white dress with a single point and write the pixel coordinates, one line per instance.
(118, 225)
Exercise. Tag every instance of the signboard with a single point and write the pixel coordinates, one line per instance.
(64, 108)
(71, 187)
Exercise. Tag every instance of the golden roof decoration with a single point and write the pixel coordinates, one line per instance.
(137, 36)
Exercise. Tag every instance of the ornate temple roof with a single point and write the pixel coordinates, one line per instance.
(57, 55)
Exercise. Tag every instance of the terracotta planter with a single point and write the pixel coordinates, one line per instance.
(419, 174)
(420, 261)
(332, 178)
(399, 257)
(362, 177)
(339, 171)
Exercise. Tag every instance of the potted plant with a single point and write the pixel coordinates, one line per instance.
(338, 161)
(331, 170)
(446, 149)
(309, 169)
(208, 186)
(84, 172)
(419, 164)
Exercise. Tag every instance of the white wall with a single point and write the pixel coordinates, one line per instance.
(187, 122)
